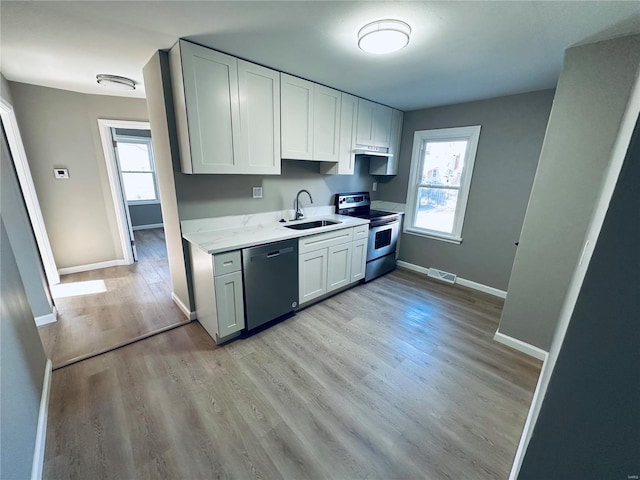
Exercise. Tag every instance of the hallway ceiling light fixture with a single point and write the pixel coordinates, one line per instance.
(384, 36)
(115, 82)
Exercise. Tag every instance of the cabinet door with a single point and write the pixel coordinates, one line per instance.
(358, 259)
(312, 275)
(364, 132)
(346, 154)
(259, 96)
(389, 166)
(348, 121)
(326, 123)
(339, 266)
(297, 117)
(394, 145)
(212, 109)
(229, 303)
(381, 126)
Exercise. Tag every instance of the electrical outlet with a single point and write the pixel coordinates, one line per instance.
(375, 186)
(257, 192)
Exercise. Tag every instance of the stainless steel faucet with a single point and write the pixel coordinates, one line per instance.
(299, 213)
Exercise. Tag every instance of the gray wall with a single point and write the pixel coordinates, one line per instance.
(165, 148)
(146, 214)
(22, 368)
(21, 235)
(60, 129)
(5, 90)
(588, 423)
(218, 195)
(511, 138)
(591, 98)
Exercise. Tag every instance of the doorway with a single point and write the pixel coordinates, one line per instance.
(103, 309)
(133, 153)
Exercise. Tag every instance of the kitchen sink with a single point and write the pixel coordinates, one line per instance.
(312, 224)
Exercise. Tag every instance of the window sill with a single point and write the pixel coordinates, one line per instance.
(433, 236)
(144, 202)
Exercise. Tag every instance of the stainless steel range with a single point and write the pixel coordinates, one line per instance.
(383, 231)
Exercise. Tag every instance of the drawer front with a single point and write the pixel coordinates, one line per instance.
(324, 240)
(360, 232)
(224, 263)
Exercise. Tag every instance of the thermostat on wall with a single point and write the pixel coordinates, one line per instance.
(61, 172)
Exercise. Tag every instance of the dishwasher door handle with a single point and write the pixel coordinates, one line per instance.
(274, 254)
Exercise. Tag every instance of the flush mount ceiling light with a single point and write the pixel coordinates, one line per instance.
(115, 82)
(384, 36)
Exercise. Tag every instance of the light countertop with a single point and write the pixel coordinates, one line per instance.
(218, 239)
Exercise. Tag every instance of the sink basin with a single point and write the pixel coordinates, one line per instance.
(312, 224)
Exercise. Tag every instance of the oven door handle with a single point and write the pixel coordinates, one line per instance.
(383, 223)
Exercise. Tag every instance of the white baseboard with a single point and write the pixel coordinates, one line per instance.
(41, 431)
(148, 227)
(188, 313)
(461, 281)
(91, 266)
(521, 346)
(482, 288)
(48, 318)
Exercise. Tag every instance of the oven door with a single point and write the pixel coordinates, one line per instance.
(383, 239)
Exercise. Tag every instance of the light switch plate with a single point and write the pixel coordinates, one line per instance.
(61, 173)
(257, 192)
(375, 186)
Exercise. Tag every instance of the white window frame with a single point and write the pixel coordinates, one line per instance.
(148, 142)
(470, 134)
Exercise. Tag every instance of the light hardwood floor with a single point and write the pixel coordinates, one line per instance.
(137, 303)
(398, 378)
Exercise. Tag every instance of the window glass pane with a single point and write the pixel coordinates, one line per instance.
(436, 209)
(134, 157)
(138, 186)
(443, 162)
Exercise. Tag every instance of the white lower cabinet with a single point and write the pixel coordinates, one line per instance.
(218, 292)
(339, 267)
(229, 303)
(313, 275)
(358, 259)
(330, 261)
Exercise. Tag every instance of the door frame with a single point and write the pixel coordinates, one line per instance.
(117, 195)
(28, 188)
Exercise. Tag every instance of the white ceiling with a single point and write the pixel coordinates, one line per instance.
(459, 51)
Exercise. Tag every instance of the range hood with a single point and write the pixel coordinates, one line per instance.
(372, 151)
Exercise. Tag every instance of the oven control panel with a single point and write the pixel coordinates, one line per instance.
(346, 201)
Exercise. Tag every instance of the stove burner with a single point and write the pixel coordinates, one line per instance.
(358, 204)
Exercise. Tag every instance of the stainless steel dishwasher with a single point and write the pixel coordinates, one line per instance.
(270, 281)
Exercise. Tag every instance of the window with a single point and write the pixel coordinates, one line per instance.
(138, 170)
(441, 168)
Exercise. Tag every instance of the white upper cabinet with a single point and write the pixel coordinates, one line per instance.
(297, 117)
(347, 145)
(381, 126)
(259, 97)
(389, 166)
(227, 112)
(364, 132)
(374, 124)
(310, 120)
(326, 123)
